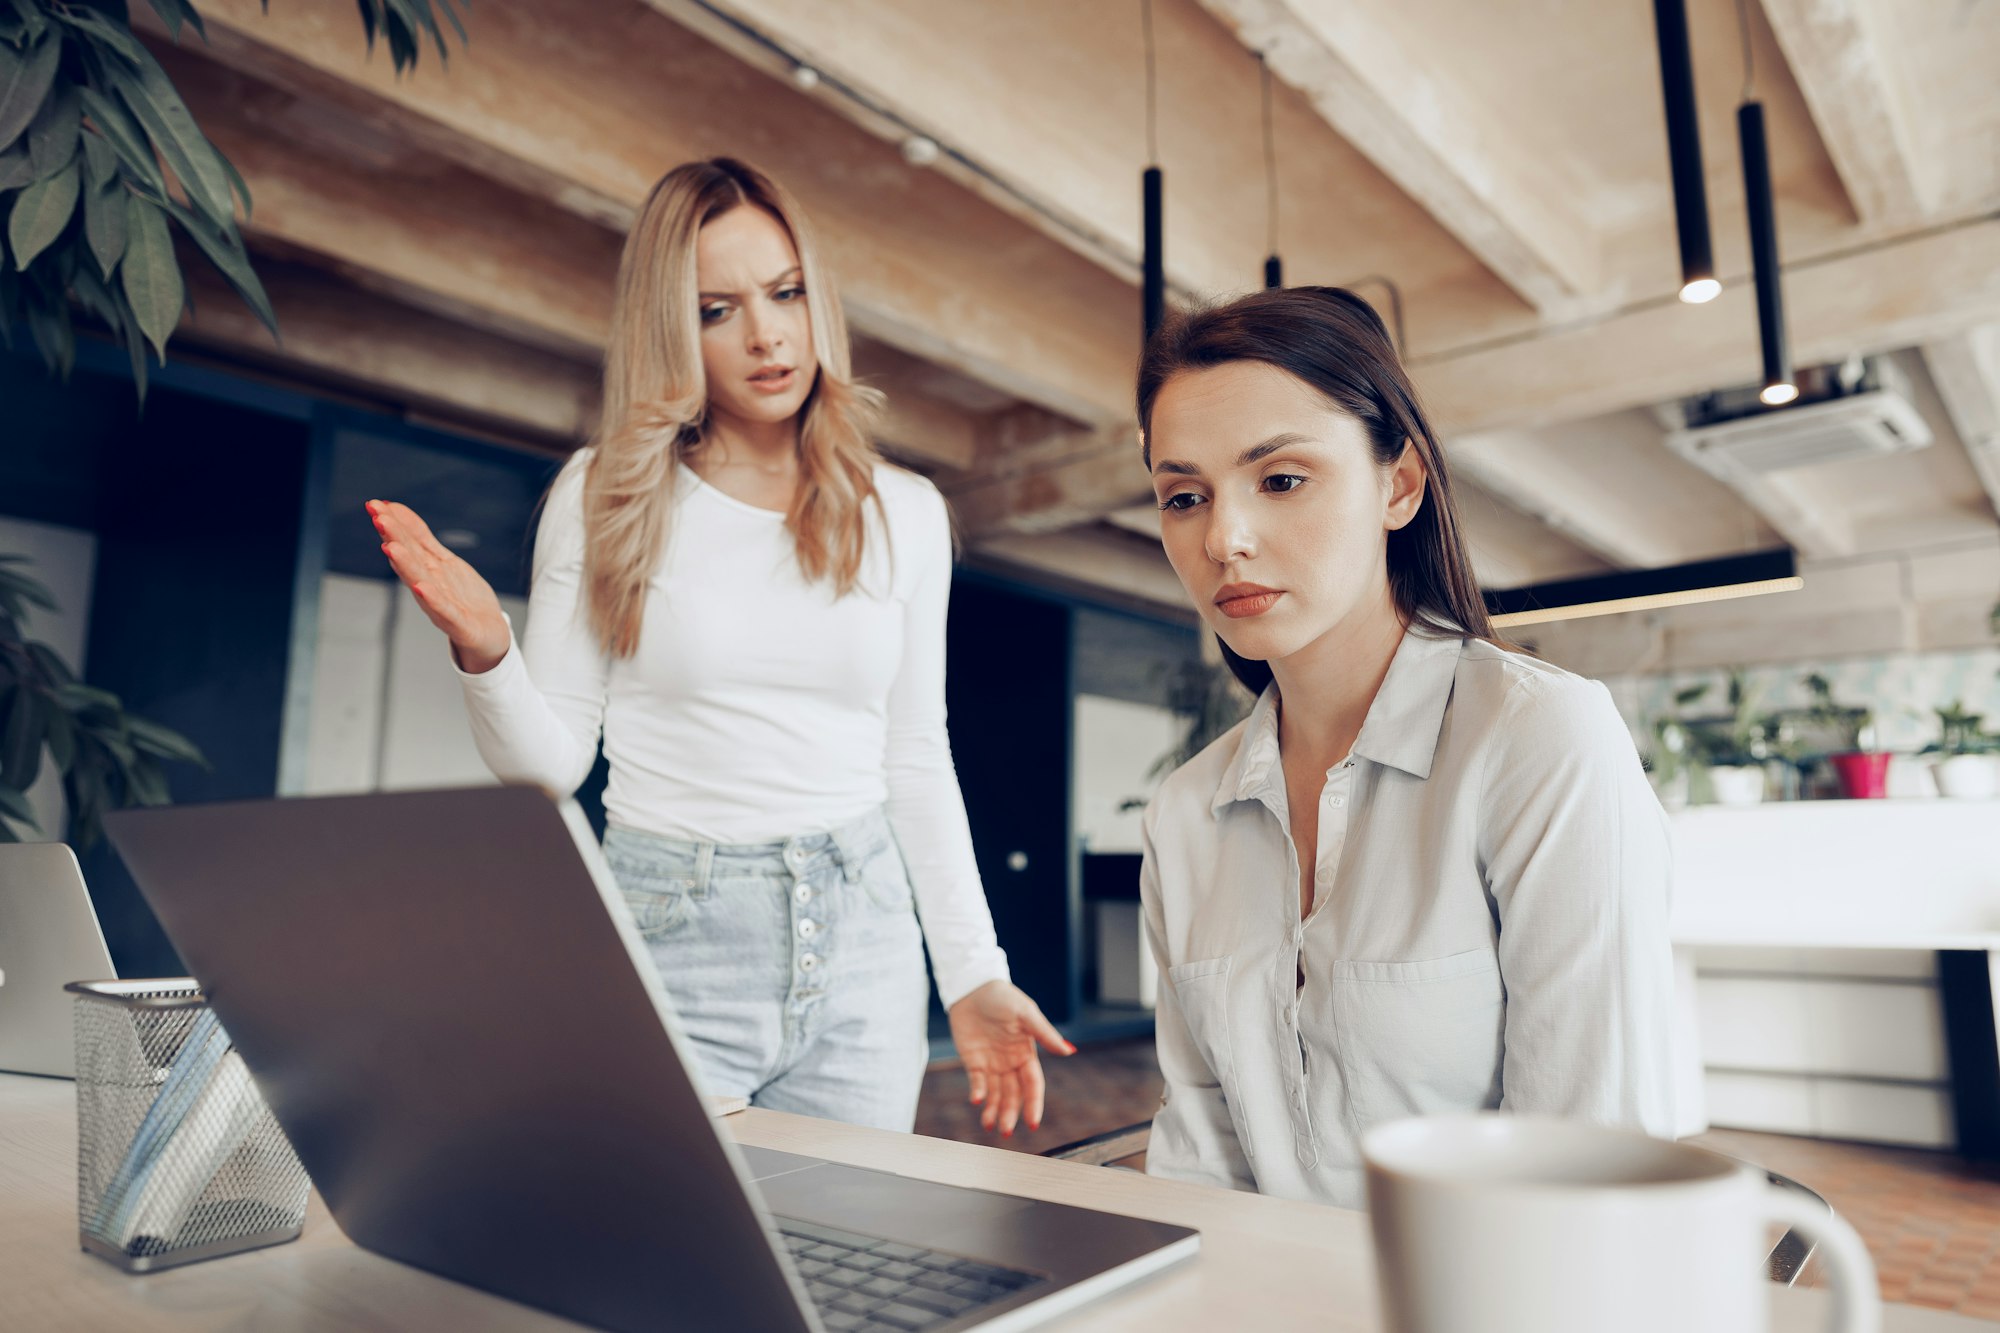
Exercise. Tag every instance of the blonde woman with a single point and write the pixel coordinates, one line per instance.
(748, 605)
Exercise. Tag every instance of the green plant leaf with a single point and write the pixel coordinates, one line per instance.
(49, 661)
(32, 20)
(25, 79)
(237, 185)
(61, 739)
(151, 98)
(175, 12)
(95, 295)
(135, 349)
(125, 136)
(145, 783)
(14, 805)
(21, 739)
(164, 742)
(78, 697)
(417, 20)
(104, 226)
(108, 33)
(53, 133)
(371, 20)
(30, 590)
(451, 15)
(225, 251)
(54, 335)
(41, 212)
(16, 168)
(151, 274)
(100, 161)
(10, 301)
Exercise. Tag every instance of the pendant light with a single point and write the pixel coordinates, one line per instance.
(1152, 187)
(1647, 589)
(1670, 25)
(1759, 203)
(1274, 267)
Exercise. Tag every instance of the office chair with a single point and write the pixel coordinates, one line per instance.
(1784, 1264)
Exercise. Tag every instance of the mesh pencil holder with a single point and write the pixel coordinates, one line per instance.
(178, 1157)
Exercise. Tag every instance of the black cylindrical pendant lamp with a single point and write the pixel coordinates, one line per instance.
(1274, 272)
(1759, 203)
(1155, 260)
(1684, 152)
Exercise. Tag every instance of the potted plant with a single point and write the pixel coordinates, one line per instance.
(1735, 746)
(1863, 771)
(1667, 761)
(107, 757)
(1965, 768)
(1713, 757)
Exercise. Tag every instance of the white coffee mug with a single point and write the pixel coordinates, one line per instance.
(1520, 1224)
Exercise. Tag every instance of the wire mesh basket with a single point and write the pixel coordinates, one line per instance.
(178, 1157)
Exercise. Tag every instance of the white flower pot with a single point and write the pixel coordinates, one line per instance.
(1737, 786)
(1969, 776)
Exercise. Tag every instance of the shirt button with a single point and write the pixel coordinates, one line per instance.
(804, 893)
(796, 855)
(807, 962)
(807, 929)
(1336, 800)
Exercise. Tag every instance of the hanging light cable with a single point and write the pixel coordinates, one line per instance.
(1670, 26)
(1152, 187)
(1760, 204)
(1274, 267)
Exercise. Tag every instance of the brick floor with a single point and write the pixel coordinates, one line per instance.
(1931, 1220)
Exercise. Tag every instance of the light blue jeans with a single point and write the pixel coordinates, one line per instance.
(796, 967)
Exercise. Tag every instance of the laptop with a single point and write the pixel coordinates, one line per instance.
(48, 938)
(444, 999)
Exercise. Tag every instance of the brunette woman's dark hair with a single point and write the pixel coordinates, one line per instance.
(1334, 341)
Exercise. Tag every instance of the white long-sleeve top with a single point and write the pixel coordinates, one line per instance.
(758, 706)
(1489, 927)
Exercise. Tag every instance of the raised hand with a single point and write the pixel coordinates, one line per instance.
(996, 1029)
(451, 592)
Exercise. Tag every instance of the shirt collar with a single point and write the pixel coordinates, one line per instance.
(1401, 729)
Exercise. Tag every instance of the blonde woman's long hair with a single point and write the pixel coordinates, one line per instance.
(655, 408)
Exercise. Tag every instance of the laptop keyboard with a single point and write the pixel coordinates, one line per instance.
(865, 1283)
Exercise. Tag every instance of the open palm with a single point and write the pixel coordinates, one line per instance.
(996, 1029)
(451, 592)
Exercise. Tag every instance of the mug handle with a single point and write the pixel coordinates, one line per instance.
(1857, 1303)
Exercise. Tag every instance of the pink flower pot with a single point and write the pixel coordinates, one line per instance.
(1862, 776)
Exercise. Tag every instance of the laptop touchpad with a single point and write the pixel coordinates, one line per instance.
(765, 1163)
(876, 1203)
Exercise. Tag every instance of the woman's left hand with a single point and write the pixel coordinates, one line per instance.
(996, 1028)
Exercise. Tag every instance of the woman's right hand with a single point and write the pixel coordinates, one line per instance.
(452, 594)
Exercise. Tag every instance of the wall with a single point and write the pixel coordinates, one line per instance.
(387, 711)
(1117, 744)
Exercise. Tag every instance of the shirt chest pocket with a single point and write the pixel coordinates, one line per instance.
(1202, 989)
(1418, 1037)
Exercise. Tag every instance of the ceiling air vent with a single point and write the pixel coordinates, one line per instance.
(1871, 424)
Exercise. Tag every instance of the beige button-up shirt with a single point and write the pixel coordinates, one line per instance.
(1489, 926)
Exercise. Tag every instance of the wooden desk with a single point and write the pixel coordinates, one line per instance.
(1265, 1263)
